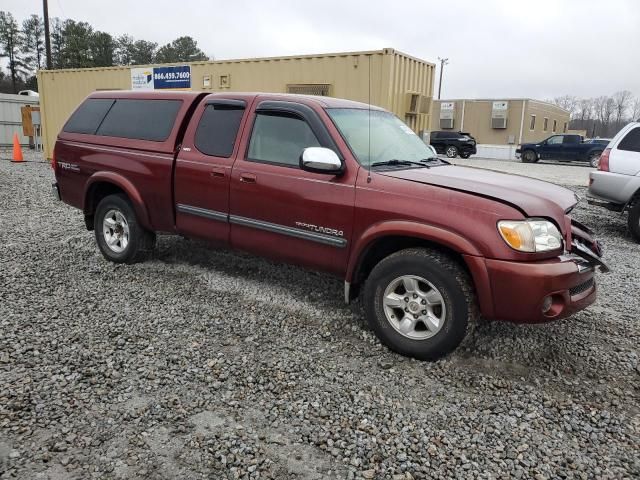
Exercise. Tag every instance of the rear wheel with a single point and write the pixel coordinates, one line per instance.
(120, 237)
(634, 220)
(451, 151)
(465, 154)
(594, 158)
(529, 156)
(419, 303)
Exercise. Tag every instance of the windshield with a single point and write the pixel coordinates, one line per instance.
(391, 139)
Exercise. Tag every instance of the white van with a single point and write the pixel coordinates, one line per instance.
(615, 185)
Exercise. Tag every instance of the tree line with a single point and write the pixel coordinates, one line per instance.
(601, 116)
(77, 45)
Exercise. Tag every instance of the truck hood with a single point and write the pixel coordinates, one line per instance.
(534, 198)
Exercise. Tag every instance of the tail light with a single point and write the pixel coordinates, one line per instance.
(603, 163)
(54, 164)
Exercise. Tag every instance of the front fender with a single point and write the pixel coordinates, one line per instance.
(471, 254)
(129, 189)
(402, 228)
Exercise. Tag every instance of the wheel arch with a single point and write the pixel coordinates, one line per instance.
(101, 184)
(382, 240)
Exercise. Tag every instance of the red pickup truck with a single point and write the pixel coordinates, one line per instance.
(331, 185)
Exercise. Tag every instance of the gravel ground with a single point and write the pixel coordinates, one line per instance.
(202, 364)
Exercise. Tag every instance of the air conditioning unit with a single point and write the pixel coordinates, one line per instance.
(499, 111)
(498, 122)
(447, 114)
(446, 123)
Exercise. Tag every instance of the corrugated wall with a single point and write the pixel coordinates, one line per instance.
(384, 77)
(11, 117)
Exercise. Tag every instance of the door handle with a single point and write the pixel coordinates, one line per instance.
(247, 178)
(217, 173)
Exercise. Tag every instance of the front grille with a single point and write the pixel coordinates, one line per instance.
(583, 287)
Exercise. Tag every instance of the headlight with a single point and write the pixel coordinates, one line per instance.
(530, 235)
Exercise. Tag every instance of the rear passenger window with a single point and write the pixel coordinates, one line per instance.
(87, 118)
(631, 142)
(218, 128)
(280, 139)
(140, 119)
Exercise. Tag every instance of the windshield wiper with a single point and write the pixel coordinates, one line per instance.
(435, 160)
(395, 162)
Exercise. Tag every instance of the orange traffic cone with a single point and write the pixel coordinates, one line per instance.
(17, 150)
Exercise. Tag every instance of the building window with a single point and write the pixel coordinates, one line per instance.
(545, 125)
(555, 126)
(532, 123)
(564, 130)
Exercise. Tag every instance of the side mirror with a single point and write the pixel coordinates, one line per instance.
(320, 160)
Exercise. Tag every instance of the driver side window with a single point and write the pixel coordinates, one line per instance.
(280, 139)
(557, 140)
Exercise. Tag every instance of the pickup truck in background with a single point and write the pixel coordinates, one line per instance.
(335, 186)
(565, 148)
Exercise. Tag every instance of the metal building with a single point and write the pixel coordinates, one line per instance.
(387, 78)
(500, 124)
(11, 117)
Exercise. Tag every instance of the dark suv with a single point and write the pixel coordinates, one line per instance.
(453, 144)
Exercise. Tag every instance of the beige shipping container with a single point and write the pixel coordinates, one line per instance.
(387, 78)
(501, 121)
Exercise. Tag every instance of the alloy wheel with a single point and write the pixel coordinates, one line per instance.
(414, 307)
(115, 229)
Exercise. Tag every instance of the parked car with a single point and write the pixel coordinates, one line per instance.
(453, 144)
(335, 186)
(616, 183)
(564, 147)
(598, 141)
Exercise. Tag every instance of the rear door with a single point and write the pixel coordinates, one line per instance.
(203, 169)
(573, 148)
(280, 211)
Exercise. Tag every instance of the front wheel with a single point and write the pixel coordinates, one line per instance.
(594, 158)
(451, 151)
(120, 237)
(419, 303)
(465, 155)
(529, 156)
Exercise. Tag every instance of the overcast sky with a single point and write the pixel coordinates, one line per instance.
(497, 48)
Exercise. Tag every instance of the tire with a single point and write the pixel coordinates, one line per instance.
(465, 155)
(529, 156)
(634, 220)
(444, 291)
(451, 151)
(594, 158)
(119, 235)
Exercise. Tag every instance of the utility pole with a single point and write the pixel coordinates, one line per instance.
(443, 62)
(47, 40)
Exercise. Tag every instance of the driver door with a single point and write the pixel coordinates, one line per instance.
(552, 148)
(279, 210)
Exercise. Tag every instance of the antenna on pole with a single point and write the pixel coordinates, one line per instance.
(443, 62)
(369, 126)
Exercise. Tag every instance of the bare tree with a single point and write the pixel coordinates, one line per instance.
(622, 101)
(585, 109)
(568, 102)
(635, 110)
